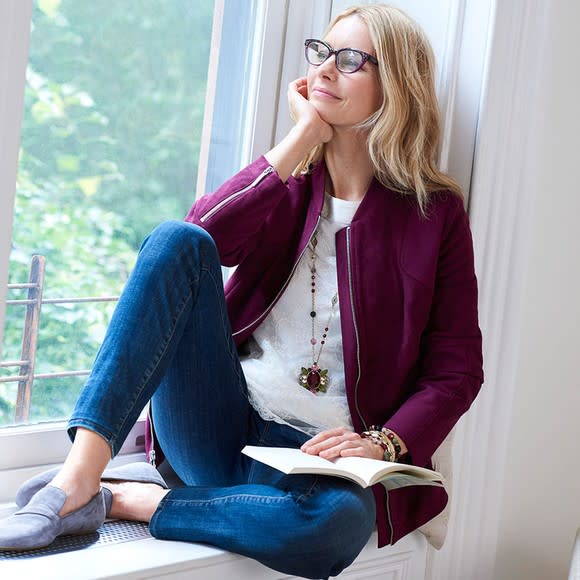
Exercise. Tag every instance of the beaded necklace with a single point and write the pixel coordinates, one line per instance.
(314, 378)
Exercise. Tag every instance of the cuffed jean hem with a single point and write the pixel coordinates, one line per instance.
(105, 433)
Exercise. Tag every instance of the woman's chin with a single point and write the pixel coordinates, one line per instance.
(330, 117)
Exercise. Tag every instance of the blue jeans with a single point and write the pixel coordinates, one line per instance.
(170, 342)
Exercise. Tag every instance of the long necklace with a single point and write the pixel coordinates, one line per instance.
(314, 378)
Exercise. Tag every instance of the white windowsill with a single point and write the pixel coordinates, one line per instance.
(152, 558)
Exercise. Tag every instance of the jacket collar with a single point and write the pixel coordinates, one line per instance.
(379, 201)
(316, 202)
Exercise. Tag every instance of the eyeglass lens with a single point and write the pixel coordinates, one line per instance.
(346, 60)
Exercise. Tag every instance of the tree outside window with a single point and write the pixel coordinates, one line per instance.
(110, 143)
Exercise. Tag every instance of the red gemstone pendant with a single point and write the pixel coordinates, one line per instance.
(314, 379)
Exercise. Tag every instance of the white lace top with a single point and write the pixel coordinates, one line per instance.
(282, 342)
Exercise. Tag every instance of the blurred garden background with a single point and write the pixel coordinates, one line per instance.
(110, 143)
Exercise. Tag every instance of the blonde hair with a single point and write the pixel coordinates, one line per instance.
(404, 133)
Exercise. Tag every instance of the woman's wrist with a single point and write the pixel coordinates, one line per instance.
(392, 446)
(286, 156)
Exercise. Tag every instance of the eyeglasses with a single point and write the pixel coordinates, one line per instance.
(347, 60)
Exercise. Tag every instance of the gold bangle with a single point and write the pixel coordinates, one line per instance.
(391, 453)
(395, 440)
(380, 438)
(390, 441)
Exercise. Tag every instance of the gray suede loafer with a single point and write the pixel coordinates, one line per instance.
(140, 472)
(38, 524)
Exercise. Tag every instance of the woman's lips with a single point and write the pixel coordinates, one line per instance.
(323, 93)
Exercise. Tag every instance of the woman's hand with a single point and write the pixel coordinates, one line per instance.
(304, 114)
(341, 442)
(308, 132)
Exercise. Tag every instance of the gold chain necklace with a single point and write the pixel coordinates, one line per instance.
(314, 378)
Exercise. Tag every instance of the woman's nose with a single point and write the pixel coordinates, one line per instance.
(328, 67)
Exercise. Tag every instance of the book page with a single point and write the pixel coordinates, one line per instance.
(360, 469)
(286, 459)
(366, 468)
(291, 461)
(397, 480)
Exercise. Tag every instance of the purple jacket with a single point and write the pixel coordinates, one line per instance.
(408, 306)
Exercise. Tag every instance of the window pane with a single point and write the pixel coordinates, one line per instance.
(110, 143)
(230, 119)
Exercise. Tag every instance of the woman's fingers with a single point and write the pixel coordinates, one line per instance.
(299, 85)
(341, 442)
(329, 444)
(303, 112)
(337, 449)
(320, 440)
(298, 99)
(365, 448)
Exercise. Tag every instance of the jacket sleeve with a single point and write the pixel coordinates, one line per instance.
(236, 213)
(450, 370)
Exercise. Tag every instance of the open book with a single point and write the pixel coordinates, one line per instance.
(361, 470)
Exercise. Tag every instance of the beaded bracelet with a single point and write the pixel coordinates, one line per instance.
(394, 439)
(386, 439)
(380, 438)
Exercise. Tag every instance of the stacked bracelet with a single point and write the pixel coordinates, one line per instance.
(395, 441)
(386, 439)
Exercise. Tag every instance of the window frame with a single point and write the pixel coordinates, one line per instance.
(279, 28)
(15, 18)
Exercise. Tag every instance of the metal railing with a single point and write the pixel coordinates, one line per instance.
(26, 364)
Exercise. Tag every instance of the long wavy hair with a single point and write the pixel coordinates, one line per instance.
(404, 133)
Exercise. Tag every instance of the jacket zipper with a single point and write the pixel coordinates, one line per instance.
(231, 197)
(390, 521)
(351, 292)
(271, 305)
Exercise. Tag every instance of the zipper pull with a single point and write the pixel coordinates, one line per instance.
(152, 457)
(236, 194)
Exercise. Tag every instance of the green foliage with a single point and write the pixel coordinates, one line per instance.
(87, 255)
(113, 113)
(116, 98)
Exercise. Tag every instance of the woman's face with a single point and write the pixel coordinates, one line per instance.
(344, 99)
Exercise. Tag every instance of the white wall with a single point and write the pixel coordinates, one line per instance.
(540, 508)
(514, 516)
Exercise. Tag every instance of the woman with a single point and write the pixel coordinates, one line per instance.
(353, 313)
